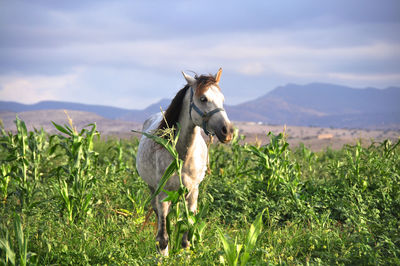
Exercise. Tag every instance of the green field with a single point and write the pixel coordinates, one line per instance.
(77, 199)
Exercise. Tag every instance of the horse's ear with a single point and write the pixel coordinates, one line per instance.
(218, 75)
(190, 80)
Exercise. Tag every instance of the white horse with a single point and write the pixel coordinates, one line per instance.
(198, 105)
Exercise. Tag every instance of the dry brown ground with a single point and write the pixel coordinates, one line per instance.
(43, 118)
(315, 138)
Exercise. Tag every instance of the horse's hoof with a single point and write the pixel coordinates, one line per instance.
(185, 244)
(163, 252)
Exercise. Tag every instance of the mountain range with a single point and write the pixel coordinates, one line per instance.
(315, 104)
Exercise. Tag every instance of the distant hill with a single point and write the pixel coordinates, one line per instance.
(335, 99)
(324, 105)
(101, 110)
(316, 104)
(43, 118)
(141, 115)
(104, 111)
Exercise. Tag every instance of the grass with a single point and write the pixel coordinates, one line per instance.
(261, 204)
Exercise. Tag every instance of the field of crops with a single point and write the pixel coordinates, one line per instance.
(75, 198)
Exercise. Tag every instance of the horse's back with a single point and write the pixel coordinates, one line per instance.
(152, 160)
(152, 122)
(145, 159)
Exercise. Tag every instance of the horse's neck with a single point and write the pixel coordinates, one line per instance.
(188, 130)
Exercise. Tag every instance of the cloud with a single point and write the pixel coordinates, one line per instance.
(131, 53)
(130, 88)
(32, 89)
(395, 78)
(133, 69)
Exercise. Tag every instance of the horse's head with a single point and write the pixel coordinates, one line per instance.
(206, 106)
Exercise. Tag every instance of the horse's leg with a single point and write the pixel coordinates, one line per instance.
(162, 234)
(153, 201)
(191, 200)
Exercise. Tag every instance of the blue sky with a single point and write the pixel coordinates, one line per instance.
(130, 53)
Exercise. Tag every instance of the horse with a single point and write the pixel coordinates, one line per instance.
(198, 105)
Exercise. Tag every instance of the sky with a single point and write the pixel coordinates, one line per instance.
(130, 54)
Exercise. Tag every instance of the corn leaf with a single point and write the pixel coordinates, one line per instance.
(10, 254)
(62, 129)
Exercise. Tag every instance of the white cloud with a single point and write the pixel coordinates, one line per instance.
(122, 73)
(370, 78)
(127, 54)
(241, 52)
(126, 88)
(32, 89)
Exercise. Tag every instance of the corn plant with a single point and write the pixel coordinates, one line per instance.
(7, 142)
(25, 157)
(235, 252)
(26, 187)
(137, 199)
(354, 164)
(308, 157)
(5, 177)
(25, 257)
(21, 256)
(275, 168)
(190, 223)
(117, 163)
(75, 177)
(9, 254)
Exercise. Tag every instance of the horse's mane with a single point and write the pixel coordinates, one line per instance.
(171, 115)
(173, 112)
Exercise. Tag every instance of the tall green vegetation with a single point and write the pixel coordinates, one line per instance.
(76, 176)
(73, 198)
(23, 157)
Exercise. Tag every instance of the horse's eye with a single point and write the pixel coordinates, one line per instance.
(203, 99)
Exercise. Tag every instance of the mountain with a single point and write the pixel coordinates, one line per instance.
(101, 110)
(315, 104)
(43, 118)
(336, 99)
(325, 105)
(141, 115)
(104, 111)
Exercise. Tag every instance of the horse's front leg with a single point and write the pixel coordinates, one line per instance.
(191, 200)
(162, 234)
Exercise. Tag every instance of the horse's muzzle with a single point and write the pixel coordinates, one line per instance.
(225, 133)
